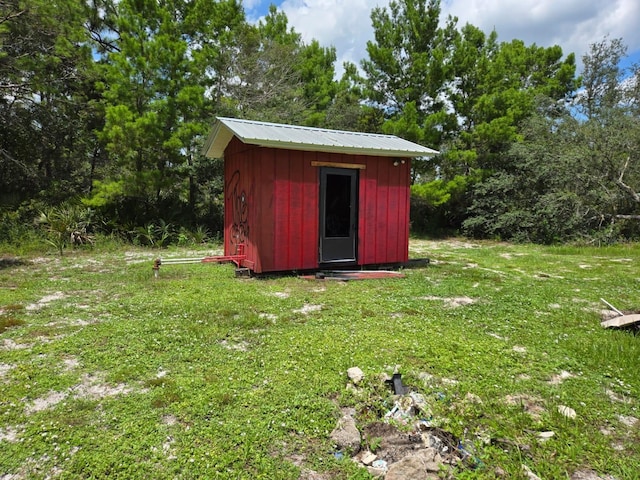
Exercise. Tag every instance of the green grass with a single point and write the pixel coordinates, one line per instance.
(108, 372)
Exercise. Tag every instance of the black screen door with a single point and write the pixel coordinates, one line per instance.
(338, 214)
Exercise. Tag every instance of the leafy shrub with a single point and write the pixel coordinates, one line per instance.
(66, 224)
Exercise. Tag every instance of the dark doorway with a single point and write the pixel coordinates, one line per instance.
(338, 214)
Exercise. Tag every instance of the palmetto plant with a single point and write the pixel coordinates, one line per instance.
(154, 235)
(65, 224)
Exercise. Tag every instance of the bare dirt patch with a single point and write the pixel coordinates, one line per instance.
(10, 434)
(560, 377)
(308, 308)
(453, 302)
(5, 368)
(90, 388)
(9, 344)
(241, 346)
(47, 299)
(530, 404)
(70, 363)
(43, 403)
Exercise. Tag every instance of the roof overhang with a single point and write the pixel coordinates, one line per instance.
(291, 137)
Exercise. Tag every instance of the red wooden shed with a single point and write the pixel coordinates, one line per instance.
(301, 198)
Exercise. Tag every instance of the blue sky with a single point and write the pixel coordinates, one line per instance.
(572, 24)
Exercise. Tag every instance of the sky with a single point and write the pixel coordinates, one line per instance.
(572, 24)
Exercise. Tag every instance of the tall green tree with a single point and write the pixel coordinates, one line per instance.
(47, 100)
(277, 77)
(494, 91)
(408, 69)
(265, 82)
(576, 173)
(345, 111)
(159, 93)
(319, 87)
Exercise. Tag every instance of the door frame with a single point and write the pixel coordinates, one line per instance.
(341, 245)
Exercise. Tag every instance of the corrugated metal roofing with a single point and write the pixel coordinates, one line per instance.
(307, 138)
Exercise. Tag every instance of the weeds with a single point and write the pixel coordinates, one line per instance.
(107, 371)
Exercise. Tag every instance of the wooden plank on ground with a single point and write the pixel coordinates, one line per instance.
(622, 321)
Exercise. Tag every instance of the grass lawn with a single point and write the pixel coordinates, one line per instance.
(108, 372)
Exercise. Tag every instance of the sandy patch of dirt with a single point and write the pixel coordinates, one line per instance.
(9, 344)
(519, 349)
(238, 347)
(545, 275)
(628, 420)
(43, 403)
(495, 335)
(138, 257)
(616, 397)
(281, 295)
(457, 244)
(169, 420)
(90, 388)
(308, 308)
(558, 378)
(530, 404)
(78, 322)
(70, 364)
(10, 434)
(453, 302)
(35, 468)
(589, 475)
(4, 368)
(47, 299)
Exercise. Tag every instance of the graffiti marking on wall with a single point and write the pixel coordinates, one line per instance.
(239, 210)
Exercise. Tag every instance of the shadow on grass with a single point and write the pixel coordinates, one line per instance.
(8, 262)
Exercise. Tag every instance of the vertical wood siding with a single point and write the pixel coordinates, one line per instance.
(280, 222)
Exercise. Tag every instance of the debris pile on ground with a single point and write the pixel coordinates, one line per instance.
(615, 318)
(403, 443)
(391, 431)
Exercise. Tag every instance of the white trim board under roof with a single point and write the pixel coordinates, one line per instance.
(293, 137)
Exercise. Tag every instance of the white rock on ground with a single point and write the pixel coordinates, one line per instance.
(355, 375)
(567, 411)
(423, 464)
(346, 435)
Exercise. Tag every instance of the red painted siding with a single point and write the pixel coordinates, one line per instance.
(272, 205)
(384, 212)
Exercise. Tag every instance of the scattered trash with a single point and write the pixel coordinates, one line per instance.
(396, 383)
(544, 436)
(405, 439)
(368, 458)
(623, 320)
(380, 464)
(611, 306)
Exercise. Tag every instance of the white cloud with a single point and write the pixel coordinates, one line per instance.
(572, 24)
(343, 24)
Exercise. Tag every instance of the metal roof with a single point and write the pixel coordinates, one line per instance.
(293, 137)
